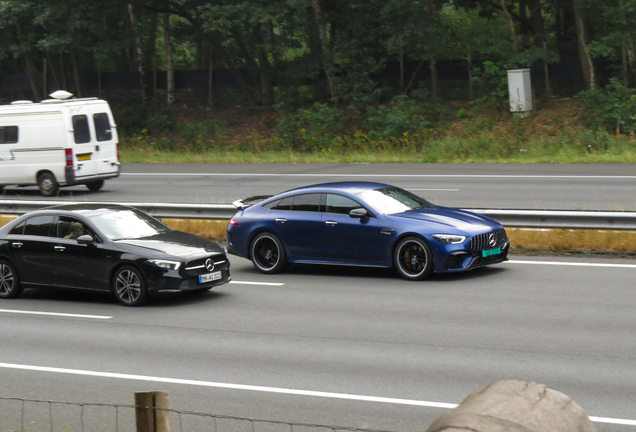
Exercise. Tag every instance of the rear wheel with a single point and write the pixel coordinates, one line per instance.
(9, 282)
(47, 184)
(129, 286)
(95, 185)
(413, 259)
(268, 254)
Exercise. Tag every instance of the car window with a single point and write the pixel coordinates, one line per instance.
(128, 224)
(393, 199)
(38, 226)
(102, 127)
(307, 202)
(271, 204)
(340, 204)
(80, 129)
(18, 229)
(285, 204)
(70, 228)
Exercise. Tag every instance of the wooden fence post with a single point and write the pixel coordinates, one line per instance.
(152, 413)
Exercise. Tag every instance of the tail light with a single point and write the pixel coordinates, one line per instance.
(69, 157)
(234, 222)
(117, 152)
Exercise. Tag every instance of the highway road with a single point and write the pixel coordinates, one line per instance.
(510, 186)
(326, 345)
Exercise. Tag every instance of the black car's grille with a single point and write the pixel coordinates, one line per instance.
(197, 267)
(483, 241)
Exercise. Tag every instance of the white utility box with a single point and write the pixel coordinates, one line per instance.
(520, 90)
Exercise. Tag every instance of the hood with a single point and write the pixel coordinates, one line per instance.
(176, 243)
(448, 217)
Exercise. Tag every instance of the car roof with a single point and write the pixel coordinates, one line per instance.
(352, 187)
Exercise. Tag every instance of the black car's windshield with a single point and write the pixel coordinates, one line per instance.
(391, 200)
(127, 224)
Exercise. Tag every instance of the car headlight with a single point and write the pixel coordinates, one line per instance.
(449, 238)
(170, 265)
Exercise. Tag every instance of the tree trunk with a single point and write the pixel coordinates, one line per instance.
(582, 37)
(401, 66)
(139, 59)
(513, 33)
(76, 76)
(265, 69)
(151, 47)
(169, 60)
(328, 60)
(471, 91)
(432, 49)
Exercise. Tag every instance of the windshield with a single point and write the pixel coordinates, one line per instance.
(128, 224)
(391, 200)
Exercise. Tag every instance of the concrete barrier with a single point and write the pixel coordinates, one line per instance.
(515, 406)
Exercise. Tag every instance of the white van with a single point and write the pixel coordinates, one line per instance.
(58, 142)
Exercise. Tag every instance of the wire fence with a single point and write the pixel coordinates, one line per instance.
(33, 415)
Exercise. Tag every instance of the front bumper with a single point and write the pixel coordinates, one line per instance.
(465, 260)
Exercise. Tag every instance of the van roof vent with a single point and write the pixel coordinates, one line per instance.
(61, 94)
(21, 102)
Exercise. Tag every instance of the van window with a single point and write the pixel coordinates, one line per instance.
(8, 134)
(38, 226)
(102, 127)
(80, 129)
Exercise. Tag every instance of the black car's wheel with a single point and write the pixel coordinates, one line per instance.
(47, 184)
(95, 185)
(129, 286)
(9, 282)
(413, 259)
(268, 254)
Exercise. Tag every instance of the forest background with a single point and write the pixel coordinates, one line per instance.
(338, 80)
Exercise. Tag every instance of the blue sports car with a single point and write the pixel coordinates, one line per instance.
(363, 224)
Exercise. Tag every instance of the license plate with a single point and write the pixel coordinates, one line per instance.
(210, 277)
(84, 157)
(489, 252)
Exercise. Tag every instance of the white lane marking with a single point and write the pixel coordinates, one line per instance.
(279, 390)
(102, 317)
(257, 283)
(495, 176)
(575, 264)
(444, 190)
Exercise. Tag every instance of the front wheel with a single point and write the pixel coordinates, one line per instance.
(95, 185)
(413, 259)
(129, 286)
(268, 254)
(9, 282)
(47, 184)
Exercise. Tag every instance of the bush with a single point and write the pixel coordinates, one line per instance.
(402, 118)
(613, 107)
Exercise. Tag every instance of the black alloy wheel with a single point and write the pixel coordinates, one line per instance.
(9, 281)
(129, 286)
(47, 184)
(413, 259)
(268, 254)
(95, 185)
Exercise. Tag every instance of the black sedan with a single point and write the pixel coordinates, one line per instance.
(102, 247)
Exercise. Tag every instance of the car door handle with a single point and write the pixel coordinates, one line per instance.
(281, 220)
(17, 245)
(59, 248)
(331, 223)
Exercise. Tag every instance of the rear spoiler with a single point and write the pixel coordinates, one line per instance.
(244, 203)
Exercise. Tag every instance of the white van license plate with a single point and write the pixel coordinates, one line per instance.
(83, 157)
(210, 277)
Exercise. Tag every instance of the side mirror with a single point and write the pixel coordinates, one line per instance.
(85, 239)
(359, 213)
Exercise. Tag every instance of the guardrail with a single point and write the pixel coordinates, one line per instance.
(570, 219)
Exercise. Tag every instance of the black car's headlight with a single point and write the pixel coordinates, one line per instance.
(169, 265)
(449, 238)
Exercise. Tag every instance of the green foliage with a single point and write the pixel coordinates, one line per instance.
(492, 81)
(613, 107)
(312, 129)
(402, 118)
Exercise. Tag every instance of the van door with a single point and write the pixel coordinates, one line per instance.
(84, 148)
(106, 146)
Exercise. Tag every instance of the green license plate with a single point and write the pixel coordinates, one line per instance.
(489, 252)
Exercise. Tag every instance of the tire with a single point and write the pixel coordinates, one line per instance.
(9, 281)
(129, 286)
(413, 259)
(95, 185)
(48, 185)
(268, 253)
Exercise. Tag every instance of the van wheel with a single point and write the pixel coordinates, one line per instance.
(48, 185)
(95, 185)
